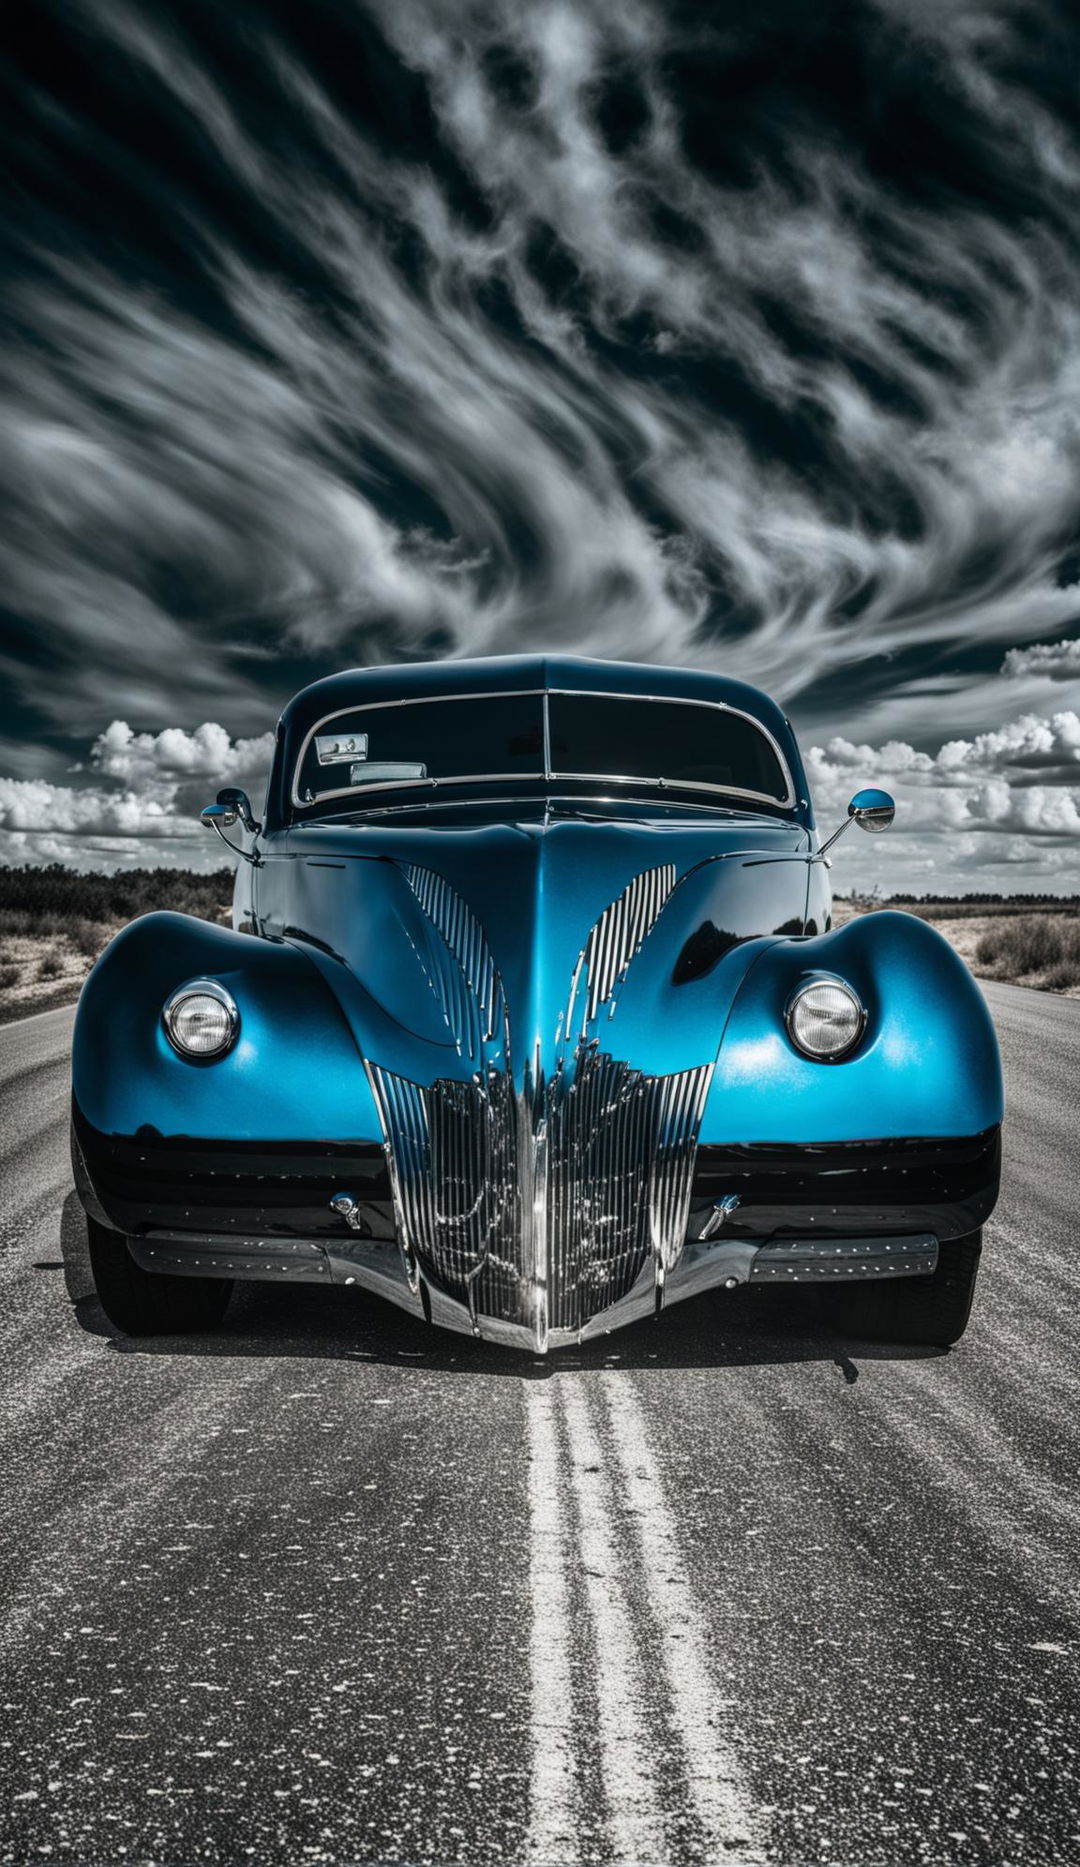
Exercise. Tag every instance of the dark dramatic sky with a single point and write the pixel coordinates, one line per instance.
(743, 335)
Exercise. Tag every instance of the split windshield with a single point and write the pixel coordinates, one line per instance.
(362, 756)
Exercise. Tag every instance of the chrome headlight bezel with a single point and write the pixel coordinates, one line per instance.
(201, 988)
(801, 992)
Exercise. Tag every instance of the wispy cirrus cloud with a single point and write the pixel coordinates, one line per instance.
(457, 329)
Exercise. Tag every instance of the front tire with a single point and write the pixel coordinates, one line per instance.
(142, 1302)
(932, 1311)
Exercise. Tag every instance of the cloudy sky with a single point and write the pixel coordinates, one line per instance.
(746, 336)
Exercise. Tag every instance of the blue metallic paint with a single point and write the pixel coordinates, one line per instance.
(927, 1063)
(350, 972)
(536, 891)
(294, 1069)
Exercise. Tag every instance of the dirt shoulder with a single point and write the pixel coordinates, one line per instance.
(55, 921)
(38, 972)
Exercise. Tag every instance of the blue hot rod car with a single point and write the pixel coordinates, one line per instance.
(533, 1019)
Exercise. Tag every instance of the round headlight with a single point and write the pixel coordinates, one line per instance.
(825, 1019)
(201, 1019)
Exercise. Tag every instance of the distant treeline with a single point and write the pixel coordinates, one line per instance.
(46, 898)
(955, 905)
(990, 901)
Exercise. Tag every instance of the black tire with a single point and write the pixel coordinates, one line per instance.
(142, 1302)
(932, 1311)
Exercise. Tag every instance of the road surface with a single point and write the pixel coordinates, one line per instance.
(330, 1588)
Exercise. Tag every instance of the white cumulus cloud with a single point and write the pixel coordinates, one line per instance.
(140, 791)
(208, 752)
(1051, 661)
(1022, 779)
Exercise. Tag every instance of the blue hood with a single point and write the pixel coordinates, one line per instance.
(415, 913)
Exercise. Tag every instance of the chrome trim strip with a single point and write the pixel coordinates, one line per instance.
(827, 1260)
(524, 693)
(458, 803)
(674, 784)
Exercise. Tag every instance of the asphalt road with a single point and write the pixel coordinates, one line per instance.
(327, 1587)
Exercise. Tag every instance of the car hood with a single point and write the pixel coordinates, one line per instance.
(541, 931)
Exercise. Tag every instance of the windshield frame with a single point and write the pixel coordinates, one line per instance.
(549, 775)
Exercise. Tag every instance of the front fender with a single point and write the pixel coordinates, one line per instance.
(927, 1064)
(294, 1072)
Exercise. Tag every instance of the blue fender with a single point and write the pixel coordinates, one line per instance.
(294, 1072)
(926, 1065)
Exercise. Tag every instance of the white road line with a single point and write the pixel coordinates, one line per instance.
(720, 1800)
(635, 1823)
(553, 1825)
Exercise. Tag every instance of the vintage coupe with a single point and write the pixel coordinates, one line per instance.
(533, 1020)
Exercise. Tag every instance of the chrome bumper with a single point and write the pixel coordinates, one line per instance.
(376, 1265)
(812, 1212)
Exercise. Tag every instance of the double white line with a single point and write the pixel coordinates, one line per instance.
(627, 1723)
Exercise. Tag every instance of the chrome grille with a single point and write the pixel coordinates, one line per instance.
(540, 1208)
(680, 1104)
(620, 1163)
(451, 1155)
(613, 1152)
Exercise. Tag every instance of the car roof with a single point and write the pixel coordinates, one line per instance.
(523, 674)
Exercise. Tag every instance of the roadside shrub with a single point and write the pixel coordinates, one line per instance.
(1047, 944)
(89, 937)
(1060, 977)
(51, 966)
(9, 976)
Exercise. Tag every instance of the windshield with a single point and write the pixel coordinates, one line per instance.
(689, 746)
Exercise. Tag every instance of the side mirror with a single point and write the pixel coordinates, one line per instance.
(871, 810)
(222, 815)
(218, 816)
(237, 801)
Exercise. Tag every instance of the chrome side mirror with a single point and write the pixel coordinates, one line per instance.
(238, 802)
(218, 817)
(872, 810)
(231, 805)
